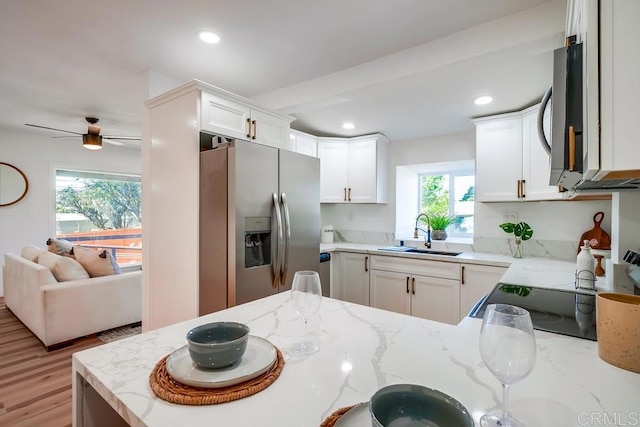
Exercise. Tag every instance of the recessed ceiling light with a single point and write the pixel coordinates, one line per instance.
(482, 100)
(209, 37)
(348, 126)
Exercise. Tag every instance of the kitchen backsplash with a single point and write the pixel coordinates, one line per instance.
(364, 237)
(556, 249)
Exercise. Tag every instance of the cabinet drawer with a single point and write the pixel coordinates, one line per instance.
(445, 270)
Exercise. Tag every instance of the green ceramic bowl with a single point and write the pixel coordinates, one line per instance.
(217, 345)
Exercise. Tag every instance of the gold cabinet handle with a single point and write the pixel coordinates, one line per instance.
(572, 149)
(407, 284)
(366, 263)
(413, 285)
(349, 194)
(462, 275)
(248, 128)
(345, 194)
(518, 189)
(255, 129)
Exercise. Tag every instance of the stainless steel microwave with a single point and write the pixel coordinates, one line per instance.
(567, 117)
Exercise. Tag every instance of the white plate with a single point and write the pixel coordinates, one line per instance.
(257, 359)
(358, 416)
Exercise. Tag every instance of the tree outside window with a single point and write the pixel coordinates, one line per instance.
(98, 209)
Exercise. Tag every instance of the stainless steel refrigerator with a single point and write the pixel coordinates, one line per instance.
(259, 220)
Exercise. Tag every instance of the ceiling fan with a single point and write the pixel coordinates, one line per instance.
(91, 140)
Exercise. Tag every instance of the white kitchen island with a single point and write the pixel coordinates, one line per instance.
(361, 350)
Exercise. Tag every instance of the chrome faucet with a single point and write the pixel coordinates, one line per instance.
(427, 241)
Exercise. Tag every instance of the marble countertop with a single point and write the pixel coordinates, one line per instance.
(528, 271)
(361, 350)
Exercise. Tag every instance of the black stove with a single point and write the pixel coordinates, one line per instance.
(560, 311)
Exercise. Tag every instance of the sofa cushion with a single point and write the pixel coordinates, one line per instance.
(31, 253)
(96, 262)
(62, 267)
(59, 246)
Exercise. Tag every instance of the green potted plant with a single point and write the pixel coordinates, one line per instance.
(439, 223)
(522, 231)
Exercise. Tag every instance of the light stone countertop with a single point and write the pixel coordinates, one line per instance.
(527, 271)
(361, 350)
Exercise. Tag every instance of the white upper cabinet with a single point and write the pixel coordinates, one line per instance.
(225, 117)
(619, 88)
(303, 143)
(234, 118)
(498, 158)
(511, 164)
(334, 165)
(353, 170)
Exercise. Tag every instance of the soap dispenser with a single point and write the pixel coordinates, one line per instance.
(586, 268)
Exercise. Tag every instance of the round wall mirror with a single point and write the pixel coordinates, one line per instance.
(13, 184)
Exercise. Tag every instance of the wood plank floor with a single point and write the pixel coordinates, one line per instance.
(35, 385)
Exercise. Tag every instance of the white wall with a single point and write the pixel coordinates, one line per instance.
(32, 220)
(562, 221)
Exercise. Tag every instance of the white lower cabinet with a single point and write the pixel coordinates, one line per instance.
(435, 290)
(397, 285)
(390, 291)
(431, 298)
(476, 282)
(353, 278)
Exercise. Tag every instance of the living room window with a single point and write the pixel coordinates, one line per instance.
(100, 210)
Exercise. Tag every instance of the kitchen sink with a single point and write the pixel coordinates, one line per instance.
(432, 252)
(410, 250)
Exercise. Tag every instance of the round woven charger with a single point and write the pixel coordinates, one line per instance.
(332, 419)
(166, 388)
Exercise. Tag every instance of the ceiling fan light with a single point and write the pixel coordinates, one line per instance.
(92, 142)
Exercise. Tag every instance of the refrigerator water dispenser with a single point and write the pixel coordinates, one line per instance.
(257, 241)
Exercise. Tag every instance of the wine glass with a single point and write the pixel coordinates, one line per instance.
(306, 296)
(508, 349)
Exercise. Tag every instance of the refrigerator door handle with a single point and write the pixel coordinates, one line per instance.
(276, 264)
(287, 239)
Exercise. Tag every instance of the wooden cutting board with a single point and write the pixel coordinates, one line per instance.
(597, 237)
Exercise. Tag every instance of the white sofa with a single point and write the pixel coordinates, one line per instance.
(57, 312)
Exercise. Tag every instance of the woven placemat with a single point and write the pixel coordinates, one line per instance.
(332, 419)
(166, 388)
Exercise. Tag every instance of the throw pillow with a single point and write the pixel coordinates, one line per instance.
(62, 267)
(59, 246)
(97, 263)
(31, 253)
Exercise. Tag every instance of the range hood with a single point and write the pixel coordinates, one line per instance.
(621, 184)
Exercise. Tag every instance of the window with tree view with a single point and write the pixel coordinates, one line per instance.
(452, 195)
(100, 210)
